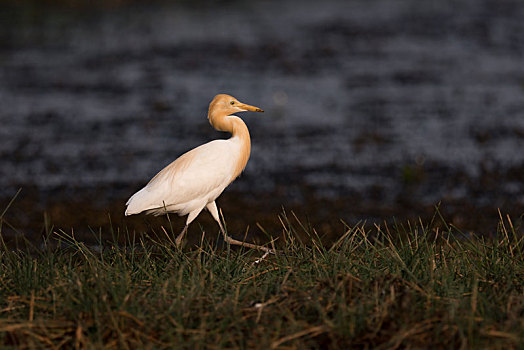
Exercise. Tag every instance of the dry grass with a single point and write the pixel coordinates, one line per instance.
(407, 286)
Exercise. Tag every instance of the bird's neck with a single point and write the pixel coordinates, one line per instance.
(239, 131)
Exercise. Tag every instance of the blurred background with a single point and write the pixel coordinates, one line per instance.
(375, 110)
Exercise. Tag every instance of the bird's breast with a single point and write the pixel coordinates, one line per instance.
(242, 153)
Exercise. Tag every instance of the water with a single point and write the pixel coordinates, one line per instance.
(372, 103)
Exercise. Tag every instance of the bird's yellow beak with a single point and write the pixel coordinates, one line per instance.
(249, 108)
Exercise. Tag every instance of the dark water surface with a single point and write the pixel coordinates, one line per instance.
(374, 109)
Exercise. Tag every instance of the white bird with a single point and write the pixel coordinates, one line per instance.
(195, 180)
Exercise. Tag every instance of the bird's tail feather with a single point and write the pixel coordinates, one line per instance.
(138, 202)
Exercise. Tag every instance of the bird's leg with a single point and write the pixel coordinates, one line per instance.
(244, 244)
(192, 216)
(179, 238)
(212, 207)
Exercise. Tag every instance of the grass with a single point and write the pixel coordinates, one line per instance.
(384, 287)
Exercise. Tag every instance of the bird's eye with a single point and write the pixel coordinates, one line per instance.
(232, 102)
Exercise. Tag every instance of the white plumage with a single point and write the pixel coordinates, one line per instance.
(189, 183)
(194, 180)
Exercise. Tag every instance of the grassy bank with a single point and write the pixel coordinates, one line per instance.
(386, 287)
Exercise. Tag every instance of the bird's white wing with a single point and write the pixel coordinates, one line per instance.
(191, 177)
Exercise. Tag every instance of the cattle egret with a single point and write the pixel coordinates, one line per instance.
(196, 179)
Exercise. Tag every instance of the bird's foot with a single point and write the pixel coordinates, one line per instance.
(180, 237)
(248, 245)
(258, 261)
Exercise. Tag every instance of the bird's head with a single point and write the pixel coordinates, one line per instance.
(226, 104)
